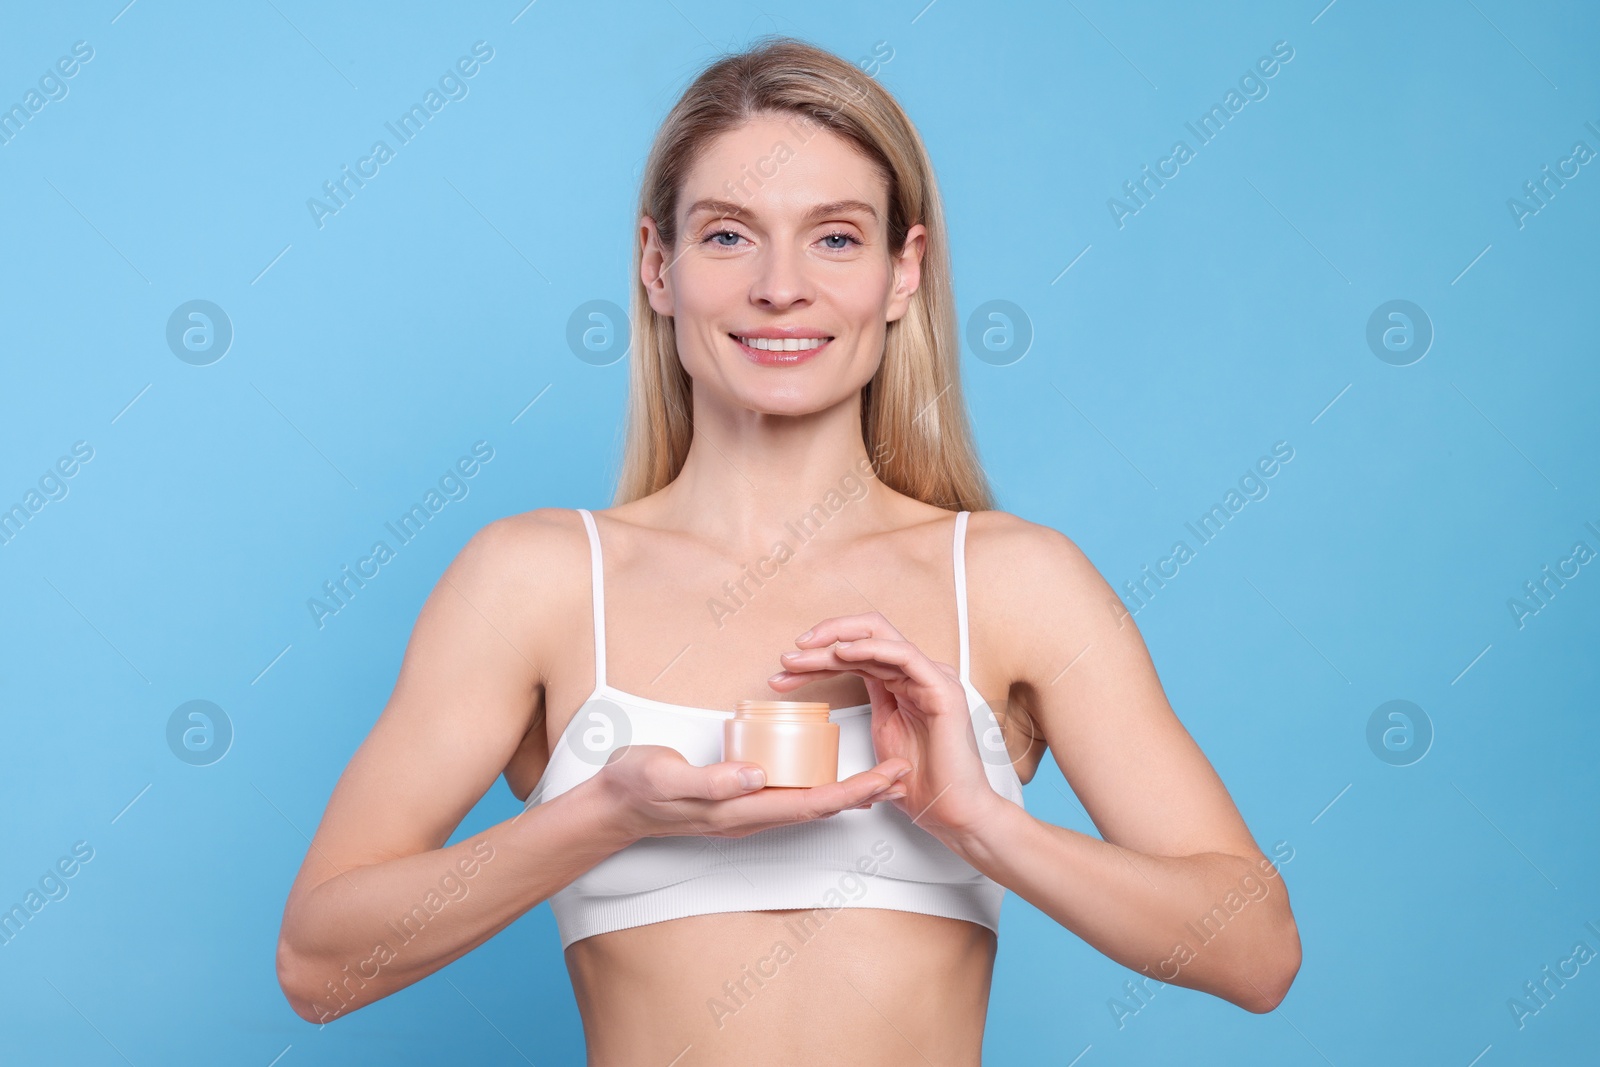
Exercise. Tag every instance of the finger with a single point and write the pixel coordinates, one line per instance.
(885, 774)
(889, 774)
(715, 781)
(790, 680)
(908, 658)
(817, 801)
(882, 658)
(788, 807)
(763, 808)
(889, 794)
(908, 665)
(807, 661)
(894, 684)
(849, 628)
(893, 791)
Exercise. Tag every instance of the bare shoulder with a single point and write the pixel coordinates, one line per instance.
(1017, 556)
(539, 536)
(525, 570)
(529, 547)
(1038, 591)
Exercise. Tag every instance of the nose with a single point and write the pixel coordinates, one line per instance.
(781, 280)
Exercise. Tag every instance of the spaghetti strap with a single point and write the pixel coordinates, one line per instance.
(960, 555)
(597, 584)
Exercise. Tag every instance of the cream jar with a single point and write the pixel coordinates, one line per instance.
(792, 740)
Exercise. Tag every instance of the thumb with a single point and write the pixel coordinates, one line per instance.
(674, 776)
(726, 780)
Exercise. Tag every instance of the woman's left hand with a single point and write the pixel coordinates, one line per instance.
(919, 713)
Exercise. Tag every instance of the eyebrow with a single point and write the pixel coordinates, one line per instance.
(728, 209)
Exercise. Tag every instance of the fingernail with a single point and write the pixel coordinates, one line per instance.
(805, 636)
(752, 777)
(894, 794)
(775, 677)
(787, 655)
(901, 773)
(842, 644)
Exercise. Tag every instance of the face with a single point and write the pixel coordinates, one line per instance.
(782, 282)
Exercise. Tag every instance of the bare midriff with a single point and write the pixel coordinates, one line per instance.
(859, 986)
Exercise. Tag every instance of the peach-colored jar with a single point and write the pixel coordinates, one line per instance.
(792, 740)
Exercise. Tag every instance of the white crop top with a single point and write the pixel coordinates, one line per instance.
(873, 858)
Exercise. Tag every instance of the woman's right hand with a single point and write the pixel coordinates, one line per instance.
(658, 793)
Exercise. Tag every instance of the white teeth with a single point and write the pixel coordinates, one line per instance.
(783, 344)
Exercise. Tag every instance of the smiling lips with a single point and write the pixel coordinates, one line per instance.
(781, 347)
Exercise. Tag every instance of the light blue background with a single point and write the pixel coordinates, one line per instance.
(1229, 314)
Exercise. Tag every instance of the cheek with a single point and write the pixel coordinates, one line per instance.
(706, 289)
(704, 298)
(861, 293)
(859, 304)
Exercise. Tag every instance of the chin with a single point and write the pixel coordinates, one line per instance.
(791, 400)
(784, 404)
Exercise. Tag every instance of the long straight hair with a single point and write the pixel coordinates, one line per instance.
(913, 418)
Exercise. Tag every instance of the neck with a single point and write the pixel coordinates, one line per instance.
(751, 478)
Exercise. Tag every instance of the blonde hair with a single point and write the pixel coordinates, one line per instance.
(913, 420)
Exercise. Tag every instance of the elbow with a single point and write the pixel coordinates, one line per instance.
(1270, 977)
(296, 980)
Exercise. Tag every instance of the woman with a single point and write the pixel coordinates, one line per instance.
(798, 463)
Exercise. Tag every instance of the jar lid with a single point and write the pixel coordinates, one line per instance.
(783, 710)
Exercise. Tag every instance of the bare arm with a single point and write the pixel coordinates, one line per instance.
(379, 903)
(371, 930)
(1177, 889)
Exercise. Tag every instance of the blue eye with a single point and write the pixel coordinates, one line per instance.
(839, 241)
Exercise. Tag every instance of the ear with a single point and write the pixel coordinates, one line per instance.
(653, 268)
(907, 272)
